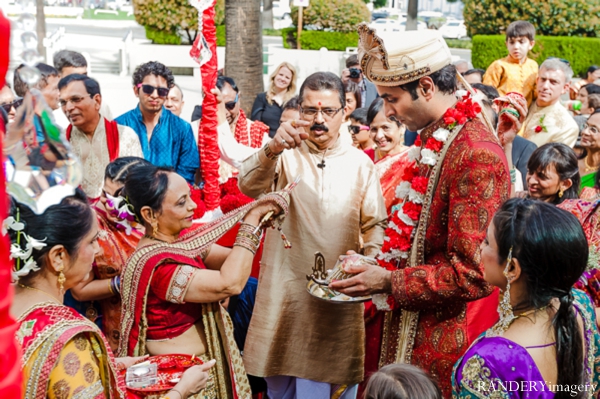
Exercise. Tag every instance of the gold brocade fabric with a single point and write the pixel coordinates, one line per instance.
(292, 333)
(94, 154)
(560, 127)
(507, 76)
(65, 356)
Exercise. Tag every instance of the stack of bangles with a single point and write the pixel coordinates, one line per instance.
(511, 111)
(513, 175)
(246, 238)
(114, 285)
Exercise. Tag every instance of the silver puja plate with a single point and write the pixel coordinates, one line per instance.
(318, 281)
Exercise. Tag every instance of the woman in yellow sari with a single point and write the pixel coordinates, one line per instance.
(64, 354)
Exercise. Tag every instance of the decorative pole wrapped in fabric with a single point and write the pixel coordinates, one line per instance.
(204, 51)
(10, 354)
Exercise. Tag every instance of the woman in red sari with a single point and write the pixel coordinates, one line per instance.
(172, 284)
(117, 241)
(64, 354)
(391, 157)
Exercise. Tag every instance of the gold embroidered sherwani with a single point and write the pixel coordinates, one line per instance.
(94, 154)
(507, 75)
(291, 332)
(560, 125)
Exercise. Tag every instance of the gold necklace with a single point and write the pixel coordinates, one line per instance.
(589, 168)
(43, 292)
(530, 312)
(155, 239)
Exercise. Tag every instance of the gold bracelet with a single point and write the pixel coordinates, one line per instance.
(270, 154)
(110, 286)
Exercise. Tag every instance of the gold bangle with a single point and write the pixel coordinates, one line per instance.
(110, 286)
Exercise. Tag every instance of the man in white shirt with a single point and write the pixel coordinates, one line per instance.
(548, 121)
(95, 140)
(68, 62)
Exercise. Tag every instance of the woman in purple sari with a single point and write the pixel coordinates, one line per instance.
(544, 344)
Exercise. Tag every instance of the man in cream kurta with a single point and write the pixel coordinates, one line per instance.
(302, 344)
(548, 121)
(80, 100)
(93, 153)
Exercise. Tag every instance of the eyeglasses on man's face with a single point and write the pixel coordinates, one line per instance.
(149, 90)
(73, 100)
(326, 112)
(591, 129)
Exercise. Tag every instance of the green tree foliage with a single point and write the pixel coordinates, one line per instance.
(550, 17)
(167, 16)
(220, 12)
(377, 3)
(337, 15)
(316, 39)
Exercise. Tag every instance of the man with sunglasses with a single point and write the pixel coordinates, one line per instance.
(167, 140)
(96, 140)
(548, 120)
(305, 346)
(252, 134)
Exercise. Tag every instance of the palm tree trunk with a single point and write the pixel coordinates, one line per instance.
(267, 14)
(244, 52)
(40, 27)
(411, 17)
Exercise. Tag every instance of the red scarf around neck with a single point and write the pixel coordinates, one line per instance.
(257, 131)
(112, 138)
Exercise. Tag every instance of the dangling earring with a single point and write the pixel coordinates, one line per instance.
(61, 280)
(560, 193)
(504, 307)
(155, 228)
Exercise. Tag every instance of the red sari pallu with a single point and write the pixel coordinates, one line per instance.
(146, 281)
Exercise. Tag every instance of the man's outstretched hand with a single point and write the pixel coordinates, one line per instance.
(369, 279)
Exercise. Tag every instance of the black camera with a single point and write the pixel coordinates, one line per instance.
(355, 73)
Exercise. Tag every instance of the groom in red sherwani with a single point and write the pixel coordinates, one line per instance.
(432, 281)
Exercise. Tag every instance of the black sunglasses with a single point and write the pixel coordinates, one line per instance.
(17, 103)
(148, 89)
(231, 104)
(356, 129)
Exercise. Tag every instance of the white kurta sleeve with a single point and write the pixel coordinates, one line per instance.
(231, 151)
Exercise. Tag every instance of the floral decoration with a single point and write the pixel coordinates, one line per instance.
(541, 127)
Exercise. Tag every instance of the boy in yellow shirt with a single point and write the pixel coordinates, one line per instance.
(516, 72)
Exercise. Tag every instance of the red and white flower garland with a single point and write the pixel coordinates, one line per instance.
(411, 192)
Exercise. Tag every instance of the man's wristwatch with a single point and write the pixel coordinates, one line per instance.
(270, 154)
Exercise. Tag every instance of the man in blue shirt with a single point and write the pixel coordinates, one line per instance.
(167, 140)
